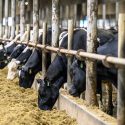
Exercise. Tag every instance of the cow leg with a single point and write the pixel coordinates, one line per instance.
(109, 98)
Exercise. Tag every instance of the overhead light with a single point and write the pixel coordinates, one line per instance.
(26, 3)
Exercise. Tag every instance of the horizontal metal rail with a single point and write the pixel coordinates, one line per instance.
(118, 62)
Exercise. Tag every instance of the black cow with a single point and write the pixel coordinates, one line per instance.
(58, 68)
(78, 72)
(34, 64)
(30, 69)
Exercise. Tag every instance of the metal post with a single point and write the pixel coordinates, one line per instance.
(55, 24)
(28, 30)
(104, 12)
(1, 17)
(117, 12)
(13, 14)
(70, 36)
(22, 17)
(75, 14)
(17, 29)
(91, 48)
(35, 20)
(121, 72)
(6, 17)
(43, 53)
(67, 11)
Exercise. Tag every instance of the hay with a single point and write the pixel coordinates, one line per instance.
(18, 106)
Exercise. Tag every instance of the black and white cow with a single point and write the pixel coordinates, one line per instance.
(13, 66)
(11, 50)
(34, 64)
(58, 68)
(5, 52)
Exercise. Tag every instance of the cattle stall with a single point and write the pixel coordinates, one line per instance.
(43, 14)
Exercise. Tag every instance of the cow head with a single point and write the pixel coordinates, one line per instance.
(30, 69)
(26, 77)
(13, 69)
(49, 92)
(78, 78)
(3, 58)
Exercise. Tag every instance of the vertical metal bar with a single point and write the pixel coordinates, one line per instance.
(35, 20)
(75, 14)
(13, 15)
(104, 12)
(43, 53)
(6, 17)
(70, 37)
(117, 12)
(121, 72)
(67, 12)
(1, 18)
(90, 96)
(28, 30)
(17, 29)
(22, 17)
(55, 25)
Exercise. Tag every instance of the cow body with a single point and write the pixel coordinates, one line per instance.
(103, 73)
(78, 73)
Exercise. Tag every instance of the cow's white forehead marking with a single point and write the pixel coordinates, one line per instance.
(25, 49)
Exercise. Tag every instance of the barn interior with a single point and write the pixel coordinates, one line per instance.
(33, 16)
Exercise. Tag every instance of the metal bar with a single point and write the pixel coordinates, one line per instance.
(43, 53)
(119, 62)
(35, 20)
(121, 72)
(1, 17)
(104, 13)
(70, 36)
(55, 24)
(6, 17)
(17, 29)
(90, 94)
(22, 17)
(13, 15)
(28, 30)
(117, 12)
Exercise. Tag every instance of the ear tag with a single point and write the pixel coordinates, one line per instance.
(48, 84)
(81, 66)
(30, 71)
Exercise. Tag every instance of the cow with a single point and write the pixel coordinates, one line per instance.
(14, 65)
(58, 67)
(30, 69)
(34, 64)
(11, 50)
(78, 72)
(5, 52)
